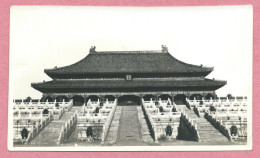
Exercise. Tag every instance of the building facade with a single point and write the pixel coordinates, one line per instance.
(129, 76)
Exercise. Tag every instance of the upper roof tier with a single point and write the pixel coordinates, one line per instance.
(116, 64)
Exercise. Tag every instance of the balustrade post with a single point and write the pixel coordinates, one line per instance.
(30, 114)
(19, 114)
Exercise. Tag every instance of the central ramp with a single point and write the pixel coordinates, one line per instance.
(129, 127)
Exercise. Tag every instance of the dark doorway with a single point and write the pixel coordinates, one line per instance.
(148, 97)
(208, 96)
(180, 99)
(61, 98)
(196, 96)
(77, 100)
(49, 99)
(165, 97)
(92, 98)
(129, 100)
(110, 97)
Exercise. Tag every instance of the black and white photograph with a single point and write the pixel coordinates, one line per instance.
(87, 78)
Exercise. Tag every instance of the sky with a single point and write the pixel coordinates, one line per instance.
(47, 36)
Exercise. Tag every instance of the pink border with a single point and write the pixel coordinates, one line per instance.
(4, 49)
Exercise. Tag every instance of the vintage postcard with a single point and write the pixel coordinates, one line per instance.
(130, 78)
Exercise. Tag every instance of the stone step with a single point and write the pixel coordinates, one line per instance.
(210, 135)
(206, 131)
(204, 125)
(214, 139)
(209, 131)
(130, 129)
(206, 128)
(50, 134)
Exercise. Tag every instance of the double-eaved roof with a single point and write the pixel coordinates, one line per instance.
(149, 71)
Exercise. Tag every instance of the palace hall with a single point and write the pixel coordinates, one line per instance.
(130, 98)
(129, 76)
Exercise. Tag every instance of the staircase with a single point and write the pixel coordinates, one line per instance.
(207, 132)
(50, 134)
(113, 129)
(129, 133)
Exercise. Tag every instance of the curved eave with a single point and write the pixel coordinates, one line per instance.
(113, 84)
(203, 68)
(70, 75)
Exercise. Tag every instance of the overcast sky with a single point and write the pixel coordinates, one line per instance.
(49, 36)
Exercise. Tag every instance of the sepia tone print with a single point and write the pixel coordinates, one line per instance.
(119, 98)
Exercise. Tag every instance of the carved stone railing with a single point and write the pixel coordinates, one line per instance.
(218, 125)
(99, 121)
(196, 111)
(68, 128)
(187, 103)
(224, 103)
(35, 129)
(191, 125)
(49, 105)
(35, 109)
(150, 122)
(108, 122)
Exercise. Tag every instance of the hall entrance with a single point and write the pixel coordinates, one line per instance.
(180, 99)
(78, 100)
(126, 100)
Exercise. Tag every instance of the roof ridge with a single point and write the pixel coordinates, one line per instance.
(137, 51)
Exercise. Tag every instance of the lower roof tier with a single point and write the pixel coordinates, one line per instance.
(67, 86)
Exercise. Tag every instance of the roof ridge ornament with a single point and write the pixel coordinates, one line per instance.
(164, 49)
(92, 49)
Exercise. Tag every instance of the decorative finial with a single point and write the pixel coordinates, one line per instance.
(164, 49)
(92, 49)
